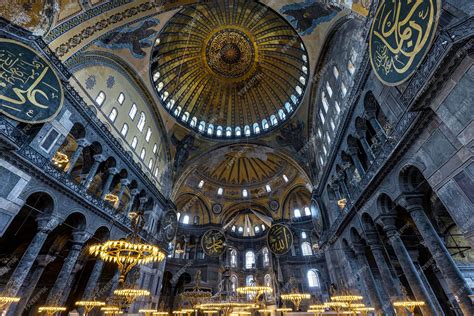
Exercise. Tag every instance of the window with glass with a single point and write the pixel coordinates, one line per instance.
(133, 111)
(313, 278)
(100, 99)
(306, 249)
(124, 130)
(141, 122)
(249, 259)
(113, 115)
(233, 257)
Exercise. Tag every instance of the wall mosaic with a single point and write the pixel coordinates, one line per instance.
(134, 38)
(306, 16)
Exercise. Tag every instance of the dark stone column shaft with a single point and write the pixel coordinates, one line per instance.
(45, 226)
(56, 294)
(454, 279)
(93, 279)
(406, 263)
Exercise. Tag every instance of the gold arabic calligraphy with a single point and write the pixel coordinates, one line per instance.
(28, 85)
(214, 242)
(400, 32)
(279, 239)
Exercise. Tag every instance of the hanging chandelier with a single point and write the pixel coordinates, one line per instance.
(296, 298)
(51, 310)
(196, 295)
(5, 300)
(89, 305)
(131, 294)
(255, 291)
(129, 252)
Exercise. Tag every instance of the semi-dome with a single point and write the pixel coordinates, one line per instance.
(229, 69)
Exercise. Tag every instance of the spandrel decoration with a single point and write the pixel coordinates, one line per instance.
(213, 243)
(30, 90)
(279, 239)
(400, 37)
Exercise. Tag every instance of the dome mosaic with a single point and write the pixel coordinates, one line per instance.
(229, 69)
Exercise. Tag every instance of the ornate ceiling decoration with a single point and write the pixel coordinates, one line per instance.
(229, 69)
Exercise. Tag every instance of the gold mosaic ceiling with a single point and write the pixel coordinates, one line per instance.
(229, 69)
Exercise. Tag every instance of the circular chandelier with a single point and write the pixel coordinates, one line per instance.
(296, 298)
(5, 300)
(89, 305)
(51, 310)
(126, 254)
(409, 305)
(129, 252)
(131, 294)
(196, 295)
(226, 306)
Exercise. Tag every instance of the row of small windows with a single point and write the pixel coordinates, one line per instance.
(312, 277)
(245, 193)
(100, 99)
(221, 131)
(250, 258)
(325, 102)
(297, 212)
(257, 229)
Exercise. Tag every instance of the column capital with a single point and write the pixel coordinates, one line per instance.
(47, 223)
(113, 171)
(411, 201)
(99, 158)
(44, 260)
(80, 237)
(83, 142)
(125, 181)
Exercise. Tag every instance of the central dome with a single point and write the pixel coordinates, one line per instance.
(229, 69)
(230, 54)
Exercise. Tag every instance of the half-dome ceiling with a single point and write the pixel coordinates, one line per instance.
(229, 69)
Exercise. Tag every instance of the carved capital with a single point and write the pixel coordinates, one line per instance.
(80, 237)
(44, 260)
(125, 181)
(99, 158)
(82, 142)
(113, 171)
(411, 201)
(46, 223)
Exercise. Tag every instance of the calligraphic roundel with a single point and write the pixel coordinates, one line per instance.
(30, 90)
(279, 239)
(401, 34)
(213, 242)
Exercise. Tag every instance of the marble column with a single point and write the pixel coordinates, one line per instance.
(114, 283)
(93, 279)
(111, 173)
(45, 225)
(365, 145)
(363, 269)
(353, 153)
(70, 282)
(392, 287)
(92, 172)
(448, 268)
(133, 194)
(371, 116)
(27, 290)
(56, 293)
(409, 269)
(81, 143)
(342, 184)
(123, 185)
